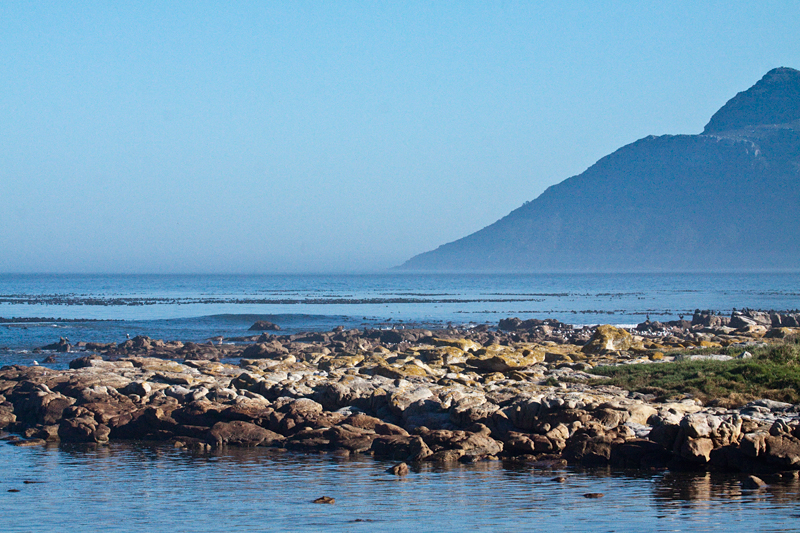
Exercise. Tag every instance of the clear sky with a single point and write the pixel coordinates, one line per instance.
(334, 136)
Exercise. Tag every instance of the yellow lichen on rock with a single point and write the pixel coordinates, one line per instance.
(607, 339)
(781, 333)
(463, 344)
(505, 361)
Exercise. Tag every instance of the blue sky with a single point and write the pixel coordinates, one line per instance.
(334, 136)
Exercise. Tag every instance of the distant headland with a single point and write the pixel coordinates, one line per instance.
(726, 199)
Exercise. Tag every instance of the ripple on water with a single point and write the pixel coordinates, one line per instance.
(135, 487)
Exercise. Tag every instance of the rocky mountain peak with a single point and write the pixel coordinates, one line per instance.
(775, 99)
(680, 203)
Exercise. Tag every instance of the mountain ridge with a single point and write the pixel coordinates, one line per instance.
(723, 199)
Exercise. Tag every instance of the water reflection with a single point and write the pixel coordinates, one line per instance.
(129, 487)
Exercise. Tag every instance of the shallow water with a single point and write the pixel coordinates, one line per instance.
(138, 487)
(141, 487)
(194, 308)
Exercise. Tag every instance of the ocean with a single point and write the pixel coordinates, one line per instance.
(143, 486)
(106, 308)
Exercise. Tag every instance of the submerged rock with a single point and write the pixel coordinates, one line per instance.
(264, 325)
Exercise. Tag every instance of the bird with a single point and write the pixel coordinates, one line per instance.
(128, 335)
(35, 362)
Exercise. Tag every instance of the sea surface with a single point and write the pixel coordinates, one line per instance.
(143, 486)
(107, 308)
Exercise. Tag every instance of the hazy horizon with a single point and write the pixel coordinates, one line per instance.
(298, 137)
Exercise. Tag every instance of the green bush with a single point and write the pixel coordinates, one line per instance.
(773, 372)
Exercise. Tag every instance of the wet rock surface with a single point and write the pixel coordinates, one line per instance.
(518, 392)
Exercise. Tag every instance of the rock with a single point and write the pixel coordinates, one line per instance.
(85, 361)
(62, 346)
(263, 325)
(29, 443)
(640, 453)
(83, 429)
(466, 416)
(700, 425)
(709, 319)
(465, 345)
(783, 450)
(756, 330)
(409, 449)
(504, 362)
(309, 439)
(325, 499)
(608, 339)
(342, 391)
(7, 416)
(611, 418)
(753, 483)
(589, 447)
(697, 450)
(400, 469)
(241, 433)
(744, 318)
(402, 400)
(781, 333)
(266, 350)
(139, 388)
(524, 413)
(351, 438)
(593, 495)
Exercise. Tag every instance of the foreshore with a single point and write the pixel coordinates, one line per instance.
(521, 391)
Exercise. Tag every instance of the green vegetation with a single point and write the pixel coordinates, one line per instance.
(551, 382)
(773, 372)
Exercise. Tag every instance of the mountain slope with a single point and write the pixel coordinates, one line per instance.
(726, 199)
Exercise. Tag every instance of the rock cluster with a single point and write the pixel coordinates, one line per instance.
(405, 395)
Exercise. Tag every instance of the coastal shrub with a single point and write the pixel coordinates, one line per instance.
(773, 372)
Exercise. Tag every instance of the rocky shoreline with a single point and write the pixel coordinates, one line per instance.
(518, 392)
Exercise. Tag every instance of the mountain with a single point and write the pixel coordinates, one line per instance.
(727, 199)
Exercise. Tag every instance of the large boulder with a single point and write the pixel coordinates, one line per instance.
(709, 319)
(62, 346)
(504, 358)
(607, 339)
(783, 450)
(746, 317)
(265, 350)
(7, 416)
(240, 433)
(409, 448)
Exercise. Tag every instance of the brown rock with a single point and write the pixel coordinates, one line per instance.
(400, 469)
(264, 325)
(754, 444)
(29, 442)
(241, 433)
(404, 448)
(753, 483)
(697, 449)
(607, 339)
(783, 450)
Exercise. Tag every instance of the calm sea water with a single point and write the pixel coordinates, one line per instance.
(125, 487)
(198, 307)
(136, 487)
